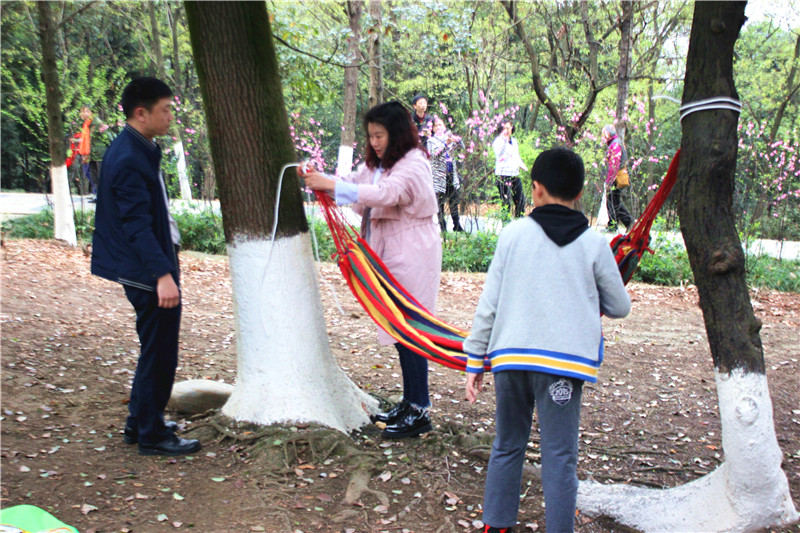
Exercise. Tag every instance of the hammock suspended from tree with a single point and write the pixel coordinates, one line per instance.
(396, 311)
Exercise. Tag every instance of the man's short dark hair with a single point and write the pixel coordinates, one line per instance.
(143, 92)
(561, 172)
(417, 98)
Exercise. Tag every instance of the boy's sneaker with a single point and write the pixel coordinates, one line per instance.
(488, 529)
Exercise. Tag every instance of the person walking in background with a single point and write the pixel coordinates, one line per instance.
(442, 146)
(393, 192)
(136, 244)
(506, 169)
(538, 323)
(616, 179)
(84, 140)
(422, 120)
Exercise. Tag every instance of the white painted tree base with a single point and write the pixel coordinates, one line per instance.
(63, 219)
(344, 164)
(183, 176)
(747, 492)
(286, 371)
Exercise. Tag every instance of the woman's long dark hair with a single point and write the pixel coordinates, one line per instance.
(403, 134)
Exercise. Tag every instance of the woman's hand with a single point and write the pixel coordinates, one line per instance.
(316, 181)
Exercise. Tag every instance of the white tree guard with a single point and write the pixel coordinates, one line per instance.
(64, 221)
(286, 371)
(748, 491)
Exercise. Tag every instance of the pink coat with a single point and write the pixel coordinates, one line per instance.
(404, 226)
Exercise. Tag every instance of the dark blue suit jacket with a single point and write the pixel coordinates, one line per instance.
(132, 243)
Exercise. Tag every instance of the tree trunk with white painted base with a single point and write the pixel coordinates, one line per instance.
(286, 371)
(64, 222)
(749, 490)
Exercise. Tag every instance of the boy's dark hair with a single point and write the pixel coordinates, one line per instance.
(403, 134)
(417, 98)
(561, 172)
(143, 92)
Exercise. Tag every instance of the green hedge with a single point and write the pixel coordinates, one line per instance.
(461, 252)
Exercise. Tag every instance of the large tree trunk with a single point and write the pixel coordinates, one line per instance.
(374, 55)
(749, 490)
(623, 70)
(345, 163)
(62, 202)
(286, 371)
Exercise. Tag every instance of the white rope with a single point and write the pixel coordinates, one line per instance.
(718, 102)
(313, 233)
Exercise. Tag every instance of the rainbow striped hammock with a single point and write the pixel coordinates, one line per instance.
(396, 311)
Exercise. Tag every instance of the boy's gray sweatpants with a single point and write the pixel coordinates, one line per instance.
(558, 402)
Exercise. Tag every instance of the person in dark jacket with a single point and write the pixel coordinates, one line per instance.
(135, 243)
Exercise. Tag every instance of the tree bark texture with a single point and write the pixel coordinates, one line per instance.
(354, 9)
(55, 122)
(623, 71)
(246, 118)
(155, 37)
(374, 55)
(705, 191)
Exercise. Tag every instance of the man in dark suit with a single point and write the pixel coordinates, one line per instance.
(135, 244)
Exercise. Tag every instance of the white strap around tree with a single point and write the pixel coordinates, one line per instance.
(718, 102)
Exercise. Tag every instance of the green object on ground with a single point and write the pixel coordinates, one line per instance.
(28, 518)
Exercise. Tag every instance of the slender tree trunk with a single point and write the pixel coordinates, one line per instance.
(62, 202)
(345, 163)
(286, 371)
(571, 129)
(178, 147)
(374, 55)
(155, 37)
(651, 139)
(623, 70)
(749, 490)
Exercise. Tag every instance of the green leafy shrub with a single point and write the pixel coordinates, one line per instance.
(201, 231)
(767, 272)
(463, 252)
(38, 226)
(669, 265)
(41, 225)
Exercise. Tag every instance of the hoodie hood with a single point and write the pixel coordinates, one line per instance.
(561, 224)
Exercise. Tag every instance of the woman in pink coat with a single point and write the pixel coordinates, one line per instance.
(393, 193)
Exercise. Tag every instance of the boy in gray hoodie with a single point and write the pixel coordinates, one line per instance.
(538, 323)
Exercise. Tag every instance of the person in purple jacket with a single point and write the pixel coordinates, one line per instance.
(393, 193)
(135, 243)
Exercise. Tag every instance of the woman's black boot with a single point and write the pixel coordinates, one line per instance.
(414, 422)
(392, 415)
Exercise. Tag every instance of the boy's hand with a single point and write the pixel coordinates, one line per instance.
(169, 295)
(474, 386)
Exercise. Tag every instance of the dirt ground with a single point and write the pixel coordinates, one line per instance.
(69, 350)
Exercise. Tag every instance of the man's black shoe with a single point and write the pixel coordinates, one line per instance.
(392, 415)
(414, 422)
(131, 434)
(173, 445)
